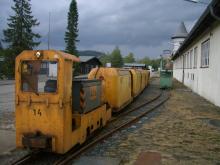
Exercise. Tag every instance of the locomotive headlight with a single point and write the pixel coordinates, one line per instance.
(38, 54)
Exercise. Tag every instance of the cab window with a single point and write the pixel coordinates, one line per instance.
(39, 76)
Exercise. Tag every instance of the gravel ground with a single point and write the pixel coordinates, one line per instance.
(7, 141)
(7, 82)
(7, 108)
(7, 117)
(185, 130)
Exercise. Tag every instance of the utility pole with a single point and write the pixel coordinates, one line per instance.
(48, 43)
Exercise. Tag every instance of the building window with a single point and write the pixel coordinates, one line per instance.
(205, 53)
(188, 60)
(184, 61)
(195, 57)
(182, 57)
(192, 76)
(177, 63)
(191, 58)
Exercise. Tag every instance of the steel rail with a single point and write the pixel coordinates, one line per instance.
(137, 107)
(24, 159)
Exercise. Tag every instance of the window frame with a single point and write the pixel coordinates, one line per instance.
(205, 57)
(195, 57)
(188, 60)
(185, 61)
(40, 93)
(191, 58)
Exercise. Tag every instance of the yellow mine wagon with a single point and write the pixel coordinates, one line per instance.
(147, 77)
(136, 82)
(53, 111)
(143, 79)
(116, 85)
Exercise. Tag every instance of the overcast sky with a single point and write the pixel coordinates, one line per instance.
(143, 27)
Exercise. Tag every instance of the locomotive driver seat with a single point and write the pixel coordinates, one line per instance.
(50, 86)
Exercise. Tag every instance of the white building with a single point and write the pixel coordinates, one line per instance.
(197, 60)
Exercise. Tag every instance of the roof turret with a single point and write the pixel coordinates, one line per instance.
(181, 32)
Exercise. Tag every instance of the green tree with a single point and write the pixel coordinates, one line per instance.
(19, 35)
(145, 60)
(105, 59)
(116, 58)
(129, 58)
(155, 63)
(6, 66)
(72, 29)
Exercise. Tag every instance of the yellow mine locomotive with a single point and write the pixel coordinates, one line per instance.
(55, 112)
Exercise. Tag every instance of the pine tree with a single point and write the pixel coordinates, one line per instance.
(106, 58)
(19, 34)
(72, 29)
(116, 58)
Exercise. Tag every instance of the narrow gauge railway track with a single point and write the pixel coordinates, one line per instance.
(121, 120)
(141, 104)
(25, 158)
(115, 125)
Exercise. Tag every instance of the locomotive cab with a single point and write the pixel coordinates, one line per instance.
(42, 98)
(45, 115)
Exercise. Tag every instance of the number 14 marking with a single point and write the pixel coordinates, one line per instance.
(37, 112)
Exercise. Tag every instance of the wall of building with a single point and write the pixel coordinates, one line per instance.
(177, 43)
(204, 81)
